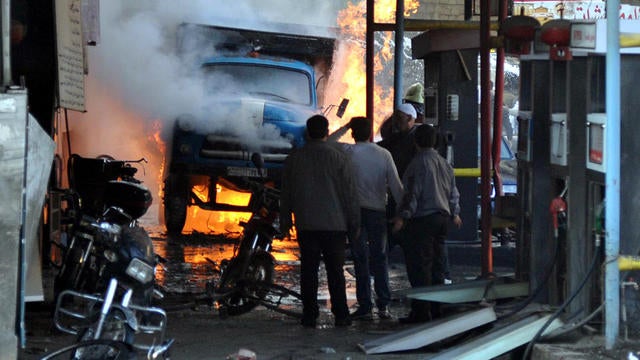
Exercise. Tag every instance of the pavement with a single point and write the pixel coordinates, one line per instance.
(200, 332)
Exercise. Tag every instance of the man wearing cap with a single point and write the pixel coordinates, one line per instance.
(401, 145)
(319, 189)
(400, 142)
(415, 97)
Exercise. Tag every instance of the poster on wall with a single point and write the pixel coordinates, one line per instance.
(544, 11)
(70, 54)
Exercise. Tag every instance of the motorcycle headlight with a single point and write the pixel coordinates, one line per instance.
(140, 271)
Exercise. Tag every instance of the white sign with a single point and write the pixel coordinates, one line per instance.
(70, 55)
(583, 35)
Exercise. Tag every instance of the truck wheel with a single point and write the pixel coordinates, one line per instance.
(176, 200)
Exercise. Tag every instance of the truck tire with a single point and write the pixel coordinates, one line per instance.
(176, 201)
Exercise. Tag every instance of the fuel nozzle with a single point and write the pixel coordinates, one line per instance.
(558, 209)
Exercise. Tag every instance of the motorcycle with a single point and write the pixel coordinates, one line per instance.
(107, 329)
(245, 278)
(104, 202)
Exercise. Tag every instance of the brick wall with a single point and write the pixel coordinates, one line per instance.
(440, 10)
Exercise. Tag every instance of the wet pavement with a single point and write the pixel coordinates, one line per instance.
(201, 333)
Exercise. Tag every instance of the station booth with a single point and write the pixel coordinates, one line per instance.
(561, 143)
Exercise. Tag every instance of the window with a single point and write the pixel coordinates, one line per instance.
(260, 81)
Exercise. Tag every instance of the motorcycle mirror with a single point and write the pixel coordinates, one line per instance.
(342, 108)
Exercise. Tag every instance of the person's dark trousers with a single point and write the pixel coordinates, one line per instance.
(393, 239)
(441, 265)
(421, 247)
(370, 253)
(329, 244)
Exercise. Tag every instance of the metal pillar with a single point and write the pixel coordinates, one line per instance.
(485, 136)
(612, 176)
(399, 54)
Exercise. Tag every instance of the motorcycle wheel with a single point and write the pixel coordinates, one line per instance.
(241, 292)
(115, 329)
(119, 350)
(176, 201)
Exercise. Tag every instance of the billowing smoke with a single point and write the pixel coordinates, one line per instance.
(136, 57)
(138, 83)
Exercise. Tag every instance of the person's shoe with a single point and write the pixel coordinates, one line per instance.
(384, 313)
(308, 323)
(361, 314)
(343, 322)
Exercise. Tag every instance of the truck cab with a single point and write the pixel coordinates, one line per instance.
(265, 87)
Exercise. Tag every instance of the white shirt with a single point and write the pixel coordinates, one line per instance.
(374, 171)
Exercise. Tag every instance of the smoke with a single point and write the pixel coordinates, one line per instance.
(138, 84)
(136, 60)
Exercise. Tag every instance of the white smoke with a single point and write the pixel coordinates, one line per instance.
(136, 79)
(136, 59)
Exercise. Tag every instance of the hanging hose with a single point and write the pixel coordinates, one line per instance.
(564, 305)
(549, 270)
(558, 209)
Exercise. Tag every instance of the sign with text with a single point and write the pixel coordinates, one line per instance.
(70, 53)
(583, 35)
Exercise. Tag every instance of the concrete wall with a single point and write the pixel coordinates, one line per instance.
(440, 10)
(13, 121)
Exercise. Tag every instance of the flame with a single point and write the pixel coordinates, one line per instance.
(216, 221)
(156, 137)
(349, 61)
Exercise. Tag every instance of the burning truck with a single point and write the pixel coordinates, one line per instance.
(264, 86)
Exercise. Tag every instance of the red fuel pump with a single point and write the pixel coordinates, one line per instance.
(558, 209)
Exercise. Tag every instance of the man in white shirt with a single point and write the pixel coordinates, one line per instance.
(375, 172)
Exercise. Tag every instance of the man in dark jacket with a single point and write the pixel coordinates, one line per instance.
(319, 189)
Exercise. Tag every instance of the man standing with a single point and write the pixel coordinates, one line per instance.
(400, 141)
(318, 188)
(430, 199)
(374, 173)
(402, 147)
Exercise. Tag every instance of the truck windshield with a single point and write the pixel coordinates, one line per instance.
(264, 82)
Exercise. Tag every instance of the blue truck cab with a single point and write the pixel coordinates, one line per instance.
(265, 87)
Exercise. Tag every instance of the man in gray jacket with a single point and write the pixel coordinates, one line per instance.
(318, 189)
(430, 199)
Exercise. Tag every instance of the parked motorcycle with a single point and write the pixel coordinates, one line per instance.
(242, 279)
(107, 329)
(104, 240)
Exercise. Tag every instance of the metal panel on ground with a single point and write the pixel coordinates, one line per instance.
(469, 291)
(499, 341)
(429, 333)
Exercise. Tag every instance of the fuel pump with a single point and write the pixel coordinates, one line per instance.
(558, 209)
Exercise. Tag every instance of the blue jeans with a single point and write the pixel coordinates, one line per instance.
(370, 253)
